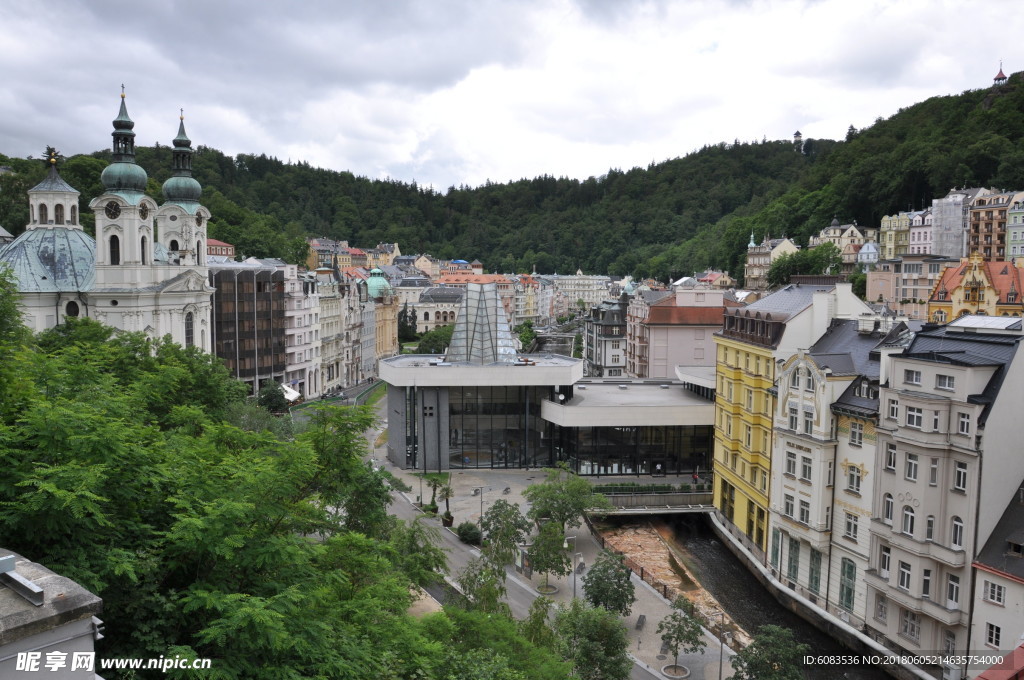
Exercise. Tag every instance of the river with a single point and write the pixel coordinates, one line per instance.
(722, 574)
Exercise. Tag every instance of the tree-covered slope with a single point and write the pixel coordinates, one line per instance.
(668, 219)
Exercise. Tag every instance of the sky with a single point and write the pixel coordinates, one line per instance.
(453, 92)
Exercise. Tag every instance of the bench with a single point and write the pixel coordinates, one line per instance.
(640, 621)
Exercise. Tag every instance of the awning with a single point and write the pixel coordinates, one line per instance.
(290, 394)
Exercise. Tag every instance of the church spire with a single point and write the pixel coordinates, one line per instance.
(181, 186)
(123, 174)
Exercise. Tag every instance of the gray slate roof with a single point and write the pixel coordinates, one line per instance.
(1009, 527)
(443, 294)
(52, 259)
(53, 182)
(788, 300)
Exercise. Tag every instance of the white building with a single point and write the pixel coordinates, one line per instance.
(145, 271)
(302, 332)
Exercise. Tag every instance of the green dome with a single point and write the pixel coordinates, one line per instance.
(124, 177)
(177, 189)
(378, 286)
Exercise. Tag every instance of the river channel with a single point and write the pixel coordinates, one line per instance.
(722, 575)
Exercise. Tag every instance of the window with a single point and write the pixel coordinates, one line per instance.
(908, 520)
(881, 607)
(189, 330)
(926, 583)
(793, 418)
(850, 530)
(956, 537)
(814, 576)
(953, 592)
(912, 377)
(993, 635)
(960, 477)
(884, 561)
(993, 592)
(787, 508)
(805, 468)
(750, 400)
(903, 578)
(914, 417)
(805, 512)
(933, 472)
(808, 422)
(853, 476)
(910, 471)
(935, 421)
(929, 528)
(887, 508)
(809, 383)
(944, 382)
(794, 378)
(747, 435)
(793, 568)
(856, 434)
(43, 217)
(894, 409)
(890, 457)
(910, 624)
(847, 583)
(776, 539)
(145, 259)
(829, 477)
(71, 309)
(115, 250)
(963, 423)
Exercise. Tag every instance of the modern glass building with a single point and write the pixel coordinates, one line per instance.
(482, 405)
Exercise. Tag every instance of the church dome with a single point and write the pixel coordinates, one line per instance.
(61, 259)
(124, 176)
(182, 189)
(377, 285)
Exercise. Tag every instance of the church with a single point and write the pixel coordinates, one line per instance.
(145, 270)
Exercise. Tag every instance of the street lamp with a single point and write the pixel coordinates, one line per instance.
(721, 640)
(480, 490)
(565, 545)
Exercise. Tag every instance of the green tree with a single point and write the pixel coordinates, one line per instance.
(271, 397)
(594, 641)
(859, 280)
(681, 630)
(563, 498)
(526, 334)
(608, 584)
(774, 654)
(436, 341)
(479, 664)
(407, 324)
(483, 586)
(506, 529)
(548, 553)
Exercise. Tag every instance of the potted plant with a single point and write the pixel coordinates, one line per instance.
(446, 492)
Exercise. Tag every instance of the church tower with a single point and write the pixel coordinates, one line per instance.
(140, 284)
(181, 218)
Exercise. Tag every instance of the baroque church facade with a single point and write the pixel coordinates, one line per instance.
(145, 270)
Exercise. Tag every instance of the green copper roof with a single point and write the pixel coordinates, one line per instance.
(56, 259)
(181, 188)
(123, 174)
(377, 285)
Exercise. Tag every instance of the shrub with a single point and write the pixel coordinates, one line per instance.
(468, 533)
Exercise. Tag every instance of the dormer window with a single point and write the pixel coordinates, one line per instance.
(1014, 549)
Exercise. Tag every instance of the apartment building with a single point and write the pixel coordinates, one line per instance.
(823, 461)
(604, 339)
(753, 339)
(950, 220)
(760, 258)
(987, 219)
(977, 286)
(905, 284)
(921, 233)
(1015, 231)
(302, 332)
(946, 408)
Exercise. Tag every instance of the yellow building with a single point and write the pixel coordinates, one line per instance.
(745, 374)
(977, 287)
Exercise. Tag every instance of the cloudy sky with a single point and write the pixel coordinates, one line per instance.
(446, 92)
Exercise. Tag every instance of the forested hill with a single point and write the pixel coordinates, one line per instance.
(668, 219)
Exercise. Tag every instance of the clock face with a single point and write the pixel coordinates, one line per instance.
(199, 220)
(144, 211)
(112, 209)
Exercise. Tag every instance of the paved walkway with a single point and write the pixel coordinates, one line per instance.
(645, 644)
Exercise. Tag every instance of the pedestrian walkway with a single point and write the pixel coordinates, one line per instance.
(490, 485)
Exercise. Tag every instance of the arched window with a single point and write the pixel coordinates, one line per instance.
(957, 534)
(58, 214)
(74, 214)
(145, 258)
(71, 309)
(189, 330)
(115, 250)
(426, 316)
(42, 214)
(173, 245)
(908, 520)
(887, 506)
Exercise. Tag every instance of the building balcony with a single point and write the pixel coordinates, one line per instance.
(936, 551)
(921, 605)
